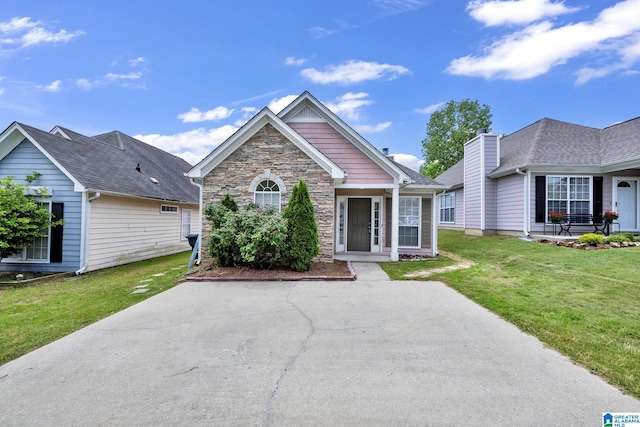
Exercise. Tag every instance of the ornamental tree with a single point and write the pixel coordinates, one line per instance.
(302, 239)
(22, 217)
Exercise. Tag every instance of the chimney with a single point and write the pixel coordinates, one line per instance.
(385, 151)
(480, 131)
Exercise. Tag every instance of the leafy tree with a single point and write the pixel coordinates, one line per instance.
(302, 241)
(22, 217)
(448, 130)
(229, 203)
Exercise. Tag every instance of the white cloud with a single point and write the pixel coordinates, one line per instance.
(129, 76)
(395, 7)
(354, 72)
(521, 12)
(19, 33)
(1, 91)
(292, 60)
(372, 128)
(534, 50)
(409, 160)
(87, 84)
(193, 145)
(430, 109)
(195, 115)
(319, 32)
(349, 105)
(53, 87)
(277, 105)
(136, 62)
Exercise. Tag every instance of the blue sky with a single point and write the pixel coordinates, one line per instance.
(185, 75)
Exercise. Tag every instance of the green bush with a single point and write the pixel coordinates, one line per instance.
(302, 240)
(620, 238)
(629, 237)
(229, 203)
(591, 239)
(250, 236)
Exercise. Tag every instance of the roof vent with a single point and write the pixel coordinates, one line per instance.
(155, 181)
(138, 167)
(385, 151)
(480, 131)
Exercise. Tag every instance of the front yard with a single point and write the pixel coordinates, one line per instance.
(586, 304)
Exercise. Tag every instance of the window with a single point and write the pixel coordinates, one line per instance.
(267, 193)
(170, 209)
(39, 249)
(570, 194)
(186, 224)
(409, 222)
(448, 207)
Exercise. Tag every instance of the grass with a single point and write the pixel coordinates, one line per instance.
(586, 304)
(37, 315)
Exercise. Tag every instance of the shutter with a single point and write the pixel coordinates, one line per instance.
(541, 198)
(425, 227)
(57, 209)
(597, 199)
(387, 223)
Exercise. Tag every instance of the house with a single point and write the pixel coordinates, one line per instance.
(510, 184)
(365, 203)
(121, 200)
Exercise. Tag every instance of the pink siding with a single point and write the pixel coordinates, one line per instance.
(361, 169)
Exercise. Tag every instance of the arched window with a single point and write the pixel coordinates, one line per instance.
(267, 193)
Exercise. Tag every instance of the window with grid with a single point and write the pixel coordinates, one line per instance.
(448, 207)
(409, 222)
(267, 193)
(38, 251)
(568, 194)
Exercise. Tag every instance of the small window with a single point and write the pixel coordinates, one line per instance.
(267, 193)
(170, 209)
(448, 207)
(186, 223)
(409, 222)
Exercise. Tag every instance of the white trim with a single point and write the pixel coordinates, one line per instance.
(264, 176)
(419, 245)
(440, 198)
(615, 180)
(395, 212)
(21, 257)
(170, 209)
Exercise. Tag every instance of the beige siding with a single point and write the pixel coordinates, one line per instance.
(124, 230)
(510, 203)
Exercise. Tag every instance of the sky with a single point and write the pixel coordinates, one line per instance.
(183, 76)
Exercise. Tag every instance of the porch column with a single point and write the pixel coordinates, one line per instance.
(395, 213)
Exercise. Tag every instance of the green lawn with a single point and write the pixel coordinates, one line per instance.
(586, 304)
(37, 315)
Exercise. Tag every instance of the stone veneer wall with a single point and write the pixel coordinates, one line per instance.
(269, 149)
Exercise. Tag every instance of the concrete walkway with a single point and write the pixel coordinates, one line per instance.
(369, 352)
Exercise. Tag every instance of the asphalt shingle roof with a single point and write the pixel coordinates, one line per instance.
(454, 176)
(108, 163)
(417, 177)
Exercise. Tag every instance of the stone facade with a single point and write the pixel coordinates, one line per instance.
(268, 151)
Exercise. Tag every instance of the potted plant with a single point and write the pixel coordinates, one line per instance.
(609, 216)
(557, 217)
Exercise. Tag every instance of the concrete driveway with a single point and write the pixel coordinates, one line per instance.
(370, 352)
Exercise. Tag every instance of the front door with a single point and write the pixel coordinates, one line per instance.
(359, 225)
(627, 204)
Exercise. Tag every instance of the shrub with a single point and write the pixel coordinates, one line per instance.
(629, 237)
(619, 238)
(591, 239)
(302, 240)
(229, 203)
(222, 239)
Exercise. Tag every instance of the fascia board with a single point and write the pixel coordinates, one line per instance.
(345, 130)
(14, 140)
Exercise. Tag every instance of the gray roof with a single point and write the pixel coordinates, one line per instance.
(416, 176)
(454, 176)
(549, 142)
(108, 163)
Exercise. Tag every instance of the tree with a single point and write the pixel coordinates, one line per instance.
(448, 130)
(22, 217)
(302, 239)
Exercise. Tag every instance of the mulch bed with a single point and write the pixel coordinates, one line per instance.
(338, 270)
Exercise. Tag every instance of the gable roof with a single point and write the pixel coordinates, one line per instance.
(257, 122)
(107, 163)
(454, 176)
(557, 144)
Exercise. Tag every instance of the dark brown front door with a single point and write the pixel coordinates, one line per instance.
(359, 225)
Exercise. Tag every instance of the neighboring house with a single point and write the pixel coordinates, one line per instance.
(510, 184)
(365, 203)
(121, 200)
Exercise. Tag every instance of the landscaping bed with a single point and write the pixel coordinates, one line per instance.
(338, 270)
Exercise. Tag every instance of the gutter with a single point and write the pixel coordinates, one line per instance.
(84, 236)
(198, 183)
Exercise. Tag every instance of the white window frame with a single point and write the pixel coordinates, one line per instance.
(403, 217)
(447, 207)
(565, 196)
(262, 193)
(169, 209)
(184, 225)
(22, 257)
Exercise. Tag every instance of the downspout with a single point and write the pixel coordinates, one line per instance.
(436, 216)
(200, 188)
(526, 192)
(84, 236)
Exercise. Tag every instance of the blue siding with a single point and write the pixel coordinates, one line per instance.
(22, 161)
